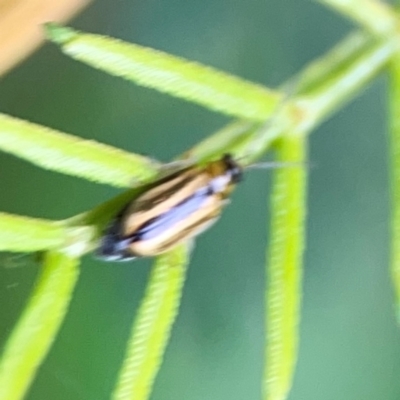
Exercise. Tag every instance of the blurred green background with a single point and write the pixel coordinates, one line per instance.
(350, 346)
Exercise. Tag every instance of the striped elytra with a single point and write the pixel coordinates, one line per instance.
(171, 210)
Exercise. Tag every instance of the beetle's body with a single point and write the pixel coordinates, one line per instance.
(171, 210)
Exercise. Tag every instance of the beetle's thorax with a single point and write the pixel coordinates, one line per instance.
(224, 175)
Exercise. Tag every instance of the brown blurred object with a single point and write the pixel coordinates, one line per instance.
(20, 25)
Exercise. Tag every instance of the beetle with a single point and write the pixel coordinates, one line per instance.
(171, 210)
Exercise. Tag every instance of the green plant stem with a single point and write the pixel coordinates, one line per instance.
(318, 104)
(37, 328)
(25, 234)
(71, 155)
(373, 15)
(230, 139)
(249, 140)
(284, 267)
(325, 85)
(152, 326)
(317, 71)
(305, 112)
(185, 79)
(394, 103)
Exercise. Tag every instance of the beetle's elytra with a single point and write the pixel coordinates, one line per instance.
(171, 210)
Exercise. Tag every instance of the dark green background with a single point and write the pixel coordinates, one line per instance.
(349, 346)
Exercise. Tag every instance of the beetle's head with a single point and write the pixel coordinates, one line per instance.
(233, 168)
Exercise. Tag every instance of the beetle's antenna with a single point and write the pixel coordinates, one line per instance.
(276, 164)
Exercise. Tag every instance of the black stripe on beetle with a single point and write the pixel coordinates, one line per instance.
(170, 211)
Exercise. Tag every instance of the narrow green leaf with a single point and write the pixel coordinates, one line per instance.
(191, 81)
(37, 328)
(395, 176)
(284, 268)
(152, 326)
(70, 155)
(22, 234)
(373, 15)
